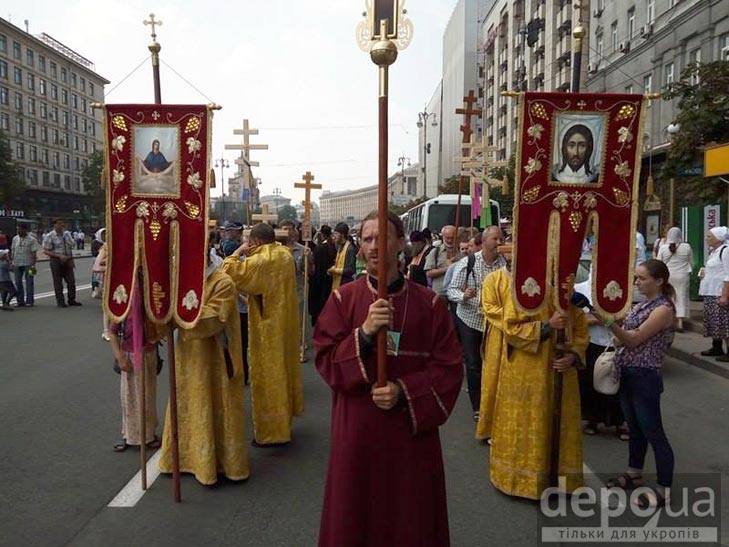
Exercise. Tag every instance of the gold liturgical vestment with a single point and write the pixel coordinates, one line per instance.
(210, 413)
(522, 395)
(268, 275)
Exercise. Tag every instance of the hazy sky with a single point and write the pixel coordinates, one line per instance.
(292, 67)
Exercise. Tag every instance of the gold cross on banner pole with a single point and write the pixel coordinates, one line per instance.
(153, 23)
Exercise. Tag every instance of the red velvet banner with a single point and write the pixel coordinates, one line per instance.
(157, 165)
(578, 163)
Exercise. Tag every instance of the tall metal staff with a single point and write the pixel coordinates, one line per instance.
(306, 238)
(154, 48)
(383, 32)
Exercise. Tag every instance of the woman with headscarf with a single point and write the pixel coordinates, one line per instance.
(676, 254)
(98, 271)
(715, 290)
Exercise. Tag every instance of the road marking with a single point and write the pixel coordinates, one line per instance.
(132, 492)
(53, 293)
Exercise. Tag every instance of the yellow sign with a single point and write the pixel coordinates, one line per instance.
(716, 160)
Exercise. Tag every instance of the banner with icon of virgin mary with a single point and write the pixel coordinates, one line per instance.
(155, 173)
(578, 165)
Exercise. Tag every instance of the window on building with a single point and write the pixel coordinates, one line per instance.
(629, 88)
(54, 69)
(614, 35)
(77, 163)
(18, 76)
(64, 139)
(631, 23)
(54, 114)
(44, 156)
(20, 151)
(64, 75)
(31, 82)
(30, 57)
(67, 181)
(43, 110)
(42, 63)
(46, 179)
(93, 147)
(56, 160)
(83, 106)
(19, 101)
(74, 101)
(73, 79)
(56, 180)
(66, 161)
(77, 184)
(16, 51)
(3, 43)
(4, 96)
(31, 105)
(4, 121)
(695, 59)
(54, 136)
(650, 11)
(54, 92)
(83, 84)
(33, 176)
(42, 86)
(64, 96)
(75, 143)
(32, 130)
(599, 46)
(3, 70)
(65, 118)
(648, 83)
(33, 152)
(86, 126)
(724, 48)
(92, 129)
(75, 121)
(669, 73)
(44, 133)
(85, 146)
(18, 126)
(91, 89)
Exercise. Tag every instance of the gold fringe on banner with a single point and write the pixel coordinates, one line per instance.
(505, 186)
(212, 178)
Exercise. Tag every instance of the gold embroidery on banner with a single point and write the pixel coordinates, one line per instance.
(539, 111)
(613, 291)
(625, 112)
(190, 301)
(624, 135)
(169, 211)
(531, 288)
(121, 204)
(157, 296)
(531, 195)
(575, 220)
(533, 165)
(155, 227)
(536, 131)
(590, 201)
(620, 196)
(120, 295)
(561, 201)
(119, 123)
(193, 124)
(143, 209)
(192, 209)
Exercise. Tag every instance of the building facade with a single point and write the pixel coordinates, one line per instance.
(46, 91)
(351, 206)
(275, 202)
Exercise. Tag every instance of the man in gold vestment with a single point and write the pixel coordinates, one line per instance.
(268, 275)
(518, 392)
(211, 418)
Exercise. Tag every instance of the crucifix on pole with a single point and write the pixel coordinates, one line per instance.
(306, 238)
(468, 111)
(265, 215)
(244, 161)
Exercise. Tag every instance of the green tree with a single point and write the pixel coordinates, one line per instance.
(506, 201)
(286, 212)
(703, 119)
(450, 186)
(12, 185)
(94, 186)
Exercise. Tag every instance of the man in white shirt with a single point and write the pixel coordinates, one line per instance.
(23, 255)
(440, 258)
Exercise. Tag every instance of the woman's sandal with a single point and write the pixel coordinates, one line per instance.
(625, 482)
(590, 430)
(651, 499)
(155, 443)
(121, 447)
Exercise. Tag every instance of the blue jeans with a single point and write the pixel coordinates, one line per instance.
(25, 296)
(640, 399)
(471, 340)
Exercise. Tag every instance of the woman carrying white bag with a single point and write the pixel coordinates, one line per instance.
(646, 335)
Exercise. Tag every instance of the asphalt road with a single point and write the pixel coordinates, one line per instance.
(59, 414)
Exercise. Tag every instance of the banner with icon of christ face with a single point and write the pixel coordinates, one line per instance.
(156, 166)
(578, 165)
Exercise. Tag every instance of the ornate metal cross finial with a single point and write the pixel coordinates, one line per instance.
(151, 21)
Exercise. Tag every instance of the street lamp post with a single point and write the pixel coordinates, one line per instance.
(423, 124)
(401, 163)
(276, 194)
(223, 164)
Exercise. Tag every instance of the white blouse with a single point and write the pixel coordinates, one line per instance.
(716, 272)
(678, 262)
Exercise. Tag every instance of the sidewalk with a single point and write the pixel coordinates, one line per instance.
(688, 345)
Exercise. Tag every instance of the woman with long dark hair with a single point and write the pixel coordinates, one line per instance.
(646, 335)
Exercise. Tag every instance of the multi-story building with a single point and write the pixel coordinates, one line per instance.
(429, 128)
(275, 202)
(525, 45)
(351, 206)
(314, 212)
(46, 91)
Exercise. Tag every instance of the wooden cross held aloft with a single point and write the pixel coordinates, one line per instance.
(308, 187)
(468, 111)
(265, 216)
(246, 147)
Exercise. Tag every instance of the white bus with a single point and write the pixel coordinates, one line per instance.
(441, 211)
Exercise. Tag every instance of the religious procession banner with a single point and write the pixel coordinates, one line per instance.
(578, 163)
(156, 176)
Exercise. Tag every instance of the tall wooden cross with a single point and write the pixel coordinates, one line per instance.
(265, 216)
(308, 187)
(244, 162)
(468, 111)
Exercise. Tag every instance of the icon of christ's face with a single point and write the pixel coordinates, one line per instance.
(576, 150)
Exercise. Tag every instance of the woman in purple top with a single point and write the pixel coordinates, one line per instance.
(646, 334)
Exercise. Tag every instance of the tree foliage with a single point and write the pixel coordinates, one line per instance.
(402, 209)
(94, 186)
(11, 175)
(450, 186)
(286, 212)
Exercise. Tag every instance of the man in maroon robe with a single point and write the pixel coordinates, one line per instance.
(385, 483)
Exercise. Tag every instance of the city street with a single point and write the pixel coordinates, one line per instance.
(60, 417)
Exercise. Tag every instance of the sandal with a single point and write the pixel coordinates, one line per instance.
(154, 443)
(625, 482)
(590, 429)
(121, 447)
(652, 499)
(623, 433)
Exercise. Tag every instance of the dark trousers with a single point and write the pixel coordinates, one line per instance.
(595, 406)
(7, 291)
(244, 339)
(63, 271)
(640, 398)
(25, 294)
(471, 340)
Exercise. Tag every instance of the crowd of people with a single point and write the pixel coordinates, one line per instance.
(449, 314)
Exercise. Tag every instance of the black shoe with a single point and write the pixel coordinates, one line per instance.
(74, 303)
(713, 352)
(723, 358)
(269, 445)
(62, 305)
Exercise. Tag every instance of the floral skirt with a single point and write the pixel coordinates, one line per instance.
(716, 318)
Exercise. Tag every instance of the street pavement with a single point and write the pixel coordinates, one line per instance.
(60, 416)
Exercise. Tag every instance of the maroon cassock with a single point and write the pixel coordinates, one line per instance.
(385, 483)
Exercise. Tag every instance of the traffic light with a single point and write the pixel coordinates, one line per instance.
(427, 148)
